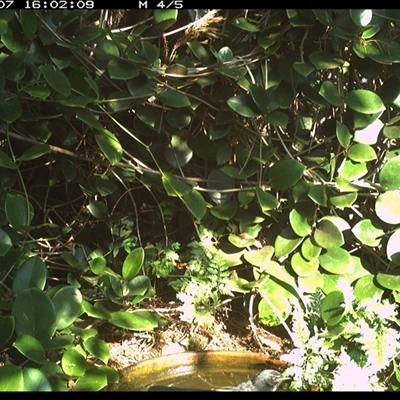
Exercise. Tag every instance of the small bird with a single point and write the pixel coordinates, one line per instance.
(266, 381)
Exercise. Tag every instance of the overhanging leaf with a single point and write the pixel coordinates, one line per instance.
(364, 101)
(109, 145)
(243, 105)
(56, 79)
(285, 173)
(132, 264)
(67, 305)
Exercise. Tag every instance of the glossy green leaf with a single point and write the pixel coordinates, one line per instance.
(98, 209)
(303, 267)
(87, 116)
(260, 97)
(387, 207)
(311, 283)
(332, 309)
(5, 161)
(266, 201)
(366, 288)
(67, 305)
(218, 131)
(361, 152)
(245, 24)
(34, 314)
(324, 60)
(303, 68)
(19, 211)
(121, 69)
(98, 348)
(60, 341)
(92, 381)
(35, 380)
(285, 173)
(174, 186)
(330, 93)
(7, 325)
(139, 320)
(94, 312)
(178, 153)
(353, 170)
(368, 232)
(343, 200)
(391, 129)
(89, 34)
(225, 54)
(286, 242)
(11, 378)
(337, 261)
(318, 194)
(261, 257)
(56, 79)
(240, 242)
(34, 152)
(38, 91)
(141, 87)
(361, 17)
(218, 183)
(310, 250)
(133, 263)
(199, 51)
(32, 273)
(393, 247)
(388, 281)
(73, 362)
(343, 134)
(29, 23)
(196, 204)
(364, 101)
(389, 176)
(109, 145)
(164, 15)
(111, 373)
(178, 119)
(224, 211)
(173, 98)
(5, 243)
(328, 234)
(299, 223)
(10, 110)
(382, 50)
(31, 348)
(244, 105)
(277, 118)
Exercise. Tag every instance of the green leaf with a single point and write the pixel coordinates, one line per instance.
(67, 305)
(199, 51)
(309, 250)
(366, 288)
(35, 151)
(34, 314)
(224, 211)
(218, 131)
(73, 362)
(330, 93)
(31, 348)
(164, 15)
(243, 23)
(5, 161)
(38, 91)
(277, 305)
(136, 321)
(240, 242)
(337, 261)
(7, 325)
(393, 247)
(178, 153)
(121, 69)
(28, 20)
(277, 118)
(260, 97)
(387, 207)
(5, 243)
(361, 17)
(389, 176)
(87, 116)
(109, 145)
(391, 129)
(35, 380)
(388, 281)
(178, 119)
(343, 134)
(266, 201)
(173, 98)
(332, 310)
(304, 267)
(19, 211)
(224, 54)
(303, 68)
(328, 234)
(382, 50)
(299, 223)
(98, 209)
(286, 242)
(92, 381)
(324, 60)
(196, 204)
(244, 105)
(364, 101)
(261, 257)
(10, 110)
(11, 378)
(132, 264)
(56, 79)
(89, 34)
(368, 232)
(94, 312)
(174, 186)
(32, 273)
(285, 173)
(361, 152)
(218, 183)
(97, 348)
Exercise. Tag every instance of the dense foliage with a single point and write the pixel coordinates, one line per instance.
(228, 152)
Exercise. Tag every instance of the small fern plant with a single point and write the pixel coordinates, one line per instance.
(347, 347)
